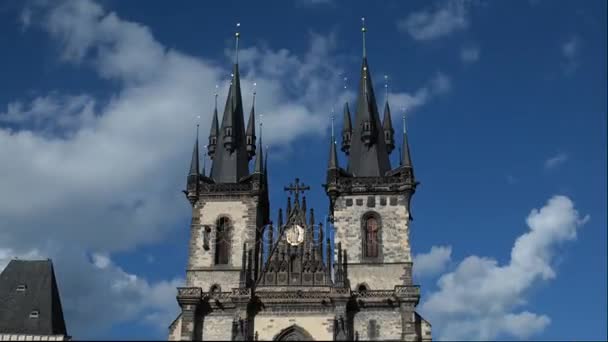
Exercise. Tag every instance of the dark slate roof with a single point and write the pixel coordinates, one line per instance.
(230, 166)
(194, 163)
(348, 127)
(333, 156)
(367, 161)
(406, 159)
(387, 122)
(259, 160)
(41, 294)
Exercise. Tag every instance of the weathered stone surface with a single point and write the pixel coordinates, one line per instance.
(320, 327)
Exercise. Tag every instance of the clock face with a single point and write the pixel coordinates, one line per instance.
(295, 235)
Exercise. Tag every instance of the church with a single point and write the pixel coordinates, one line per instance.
(251, 277)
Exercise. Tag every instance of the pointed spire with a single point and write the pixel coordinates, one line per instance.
(333, 155)
(259, 160)
(368, 155)
(194, 164)
(389, 132)
(406, 160)
(230, 162)
(347, 130)
(288, 206)
(214, 131)
(250, 134)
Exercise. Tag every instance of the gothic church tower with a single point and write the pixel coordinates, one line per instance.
(370, 210)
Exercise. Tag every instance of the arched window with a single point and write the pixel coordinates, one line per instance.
(222, 241)
(362, 288)
(371, 231)
(215, 288)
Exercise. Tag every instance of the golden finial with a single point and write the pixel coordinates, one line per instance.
(237, 34)
(363, 30)
(254, 92)
(333, 116)
(386, 87)
(404, 129)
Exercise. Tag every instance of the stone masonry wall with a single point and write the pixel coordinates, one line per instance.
(394, 238)
(319, 326)
(242, 212)
(394, 219)
(388, 324)
(217, 328)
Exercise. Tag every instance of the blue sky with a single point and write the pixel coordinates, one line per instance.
(506, 107)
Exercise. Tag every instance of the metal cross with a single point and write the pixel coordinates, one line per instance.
(295, 189)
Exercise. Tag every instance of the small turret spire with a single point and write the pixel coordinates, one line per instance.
(259, 160)
(250, 134)
(194, 164)
(389, 132)
(333, 155)
(406, 160)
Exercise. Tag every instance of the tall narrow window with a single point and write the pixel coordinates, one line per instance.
(222, 241)
(371, 237)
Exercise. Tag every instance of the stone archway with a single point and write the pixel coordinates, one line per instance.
(293, 333)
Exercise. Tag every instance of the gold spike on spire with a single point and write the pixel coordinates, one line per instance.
(363, 30)
(237, 34)
(386, 87)
(404, 129)
(333, 116)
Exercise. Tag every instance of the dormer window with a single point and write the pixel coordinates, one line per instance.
(228, 131)
(21, 288)
(34, 314)
(367, 126)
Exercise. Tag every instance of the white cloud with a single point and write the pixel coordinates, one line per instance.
(479, 299)
(82, 172)
(433, 262)
(437, 85)
(469, 54)
(428, 24)
(556, 160)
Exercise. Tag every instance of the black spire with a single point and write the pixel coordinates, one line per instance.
(389, 132)
(347, 130)
(368, 153)
(194, 174)
(333, 155)
(406, 160)
(250, 134)
(194, 163)
(230, 163)
(214, 132)
(259, 160)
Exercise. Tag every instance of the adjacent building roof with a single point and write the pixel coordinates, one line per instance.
(29, 299)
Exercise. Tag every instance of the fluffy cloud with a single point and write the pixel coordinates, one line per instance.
(556, 160)
(433, 262)
(81, 172)
(430, 24)
(479, 299)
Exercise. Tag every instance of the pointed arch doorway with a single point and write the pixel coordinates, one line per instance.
(293, 333)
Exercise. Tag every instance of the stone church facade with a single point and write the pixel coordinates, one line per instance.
(253, 278)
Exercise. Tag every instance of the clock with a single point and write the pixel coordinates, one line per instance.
(295, 235)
